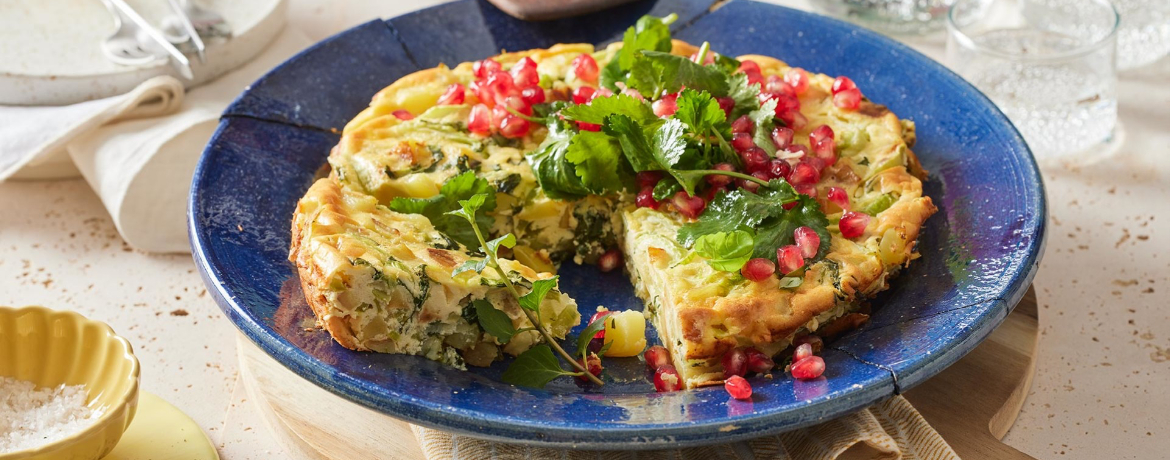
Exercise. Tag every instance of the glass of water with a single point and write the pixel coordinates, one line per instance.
(1050, 65)
(890, 16)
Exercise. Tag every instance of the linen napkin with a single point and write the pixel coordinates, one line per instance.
(137, 150)
(889, 430)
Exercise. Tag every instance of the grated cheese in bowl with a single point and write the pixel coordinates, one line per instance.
(32, 417)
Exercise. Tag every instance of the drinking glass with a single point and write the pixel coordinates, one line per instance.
(889, 16)
(1144, 36)
(1050, 65)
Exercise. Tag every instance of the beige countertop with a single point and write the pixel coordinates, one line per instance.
(1104, 356)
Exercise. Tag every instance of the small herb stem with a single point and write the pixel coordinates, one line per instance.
(670, 19)
(526, 117)
(548, 338)
(703, 49)
(707, 172)
(723, 145)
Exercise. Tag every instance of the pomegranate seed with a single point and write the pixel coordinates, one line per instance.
(588, 126)
(803, 350)
(758, 362)
(595, 345)
(755, 78)
(583, 95)
(592, 364)
(817, 163)
(797, 79)
(517, 103)
(480, 120)
(402, 114)
(501, 84)
(804, 174)
(452, 96)
(775, 84)
(666, 106)
(758, 269)
(533, 95)
(610, 260)
(747, 185)
(499, 113)
(793, 119)
(790, 257)
(779, 169)
(734, 363)
(657, 357)
(524, 73)
(754, 159)
(648, 178)
(742, 125)
(513, 127)
(786, 103)
(812, 339)
(482, 92)
(839, 197)
(748, 66)
(782, 137)
(585, 68)
(843, 84)
(727, 104)
(667, 379)
(633, 93)
(805, 189)
(601, 92)
(764, 174)
(738, 387)
(719, 179)
(645, 199)
(826, 150)
(713, 191)
(822, 132)
(808, 241)
(853, 224)
(596, 316)
(849, 100)
(689, 206)
(808, 368)
(742, 141)
(483, 68)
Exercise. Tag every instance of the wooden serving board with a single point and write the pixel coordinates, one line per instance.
(972, 404)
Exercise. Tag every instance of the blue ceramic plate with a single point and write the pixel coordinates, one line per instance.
(979, 252)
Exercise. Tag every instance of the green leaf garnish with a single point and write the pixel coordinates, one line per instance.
(598, 162)
(557, 175)
(745, 95)
(465, 186)
(658, 72)
(493, 321)
(540, 288)
(763, 119)
(586, 336)
(598, 109)
(699, 110)
(534, 368)
(725, 251)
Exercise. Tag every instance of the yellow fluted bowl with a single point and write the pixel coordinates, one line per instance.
(50, 348)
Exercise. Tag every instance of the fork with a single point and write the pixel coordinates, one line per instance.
(123, 46)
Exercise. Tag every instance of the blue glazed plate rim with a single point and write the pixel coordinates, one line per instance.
(533, 432)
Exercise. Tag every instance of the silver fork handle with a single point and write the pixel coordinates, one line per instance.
(180, 61)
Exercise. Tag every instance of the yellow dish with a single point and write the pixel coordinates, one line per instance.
(50, 348)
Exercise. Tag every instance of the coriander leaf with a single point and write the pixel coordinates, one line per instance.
(493, 321)
(598, 162)
(634, 141)
(649, 33)
(670, 150)
(791, 282)
(739, 210)
(656, 72)
(534, 368)
(698, 110)
(540, 289)
(596, 110)
(587, 335)
(745, 95)
(727, 64)
(777, 231)
(462, 187)
(725, 251)
(763, 118)
(556, 175)
(610, 75)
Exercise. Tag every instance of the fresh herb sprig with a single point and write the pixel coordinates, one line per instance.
(537, 366)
